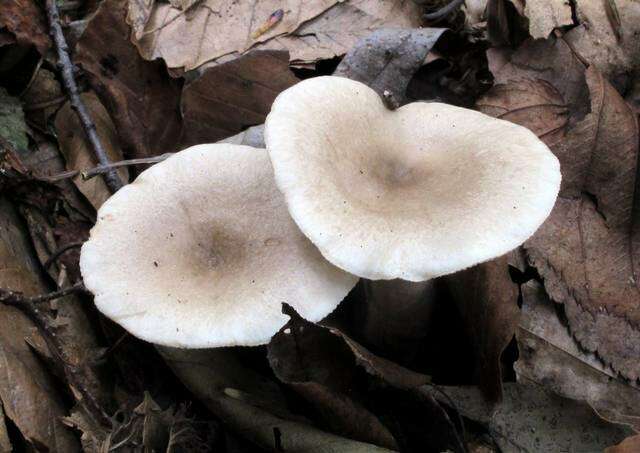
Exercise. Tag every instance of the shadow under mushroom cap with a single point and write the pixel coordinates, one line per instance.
(415, 193)
(200, 251)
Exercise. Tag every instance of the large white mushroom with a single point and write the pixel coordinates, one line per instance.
(415, 193)
(200, 251)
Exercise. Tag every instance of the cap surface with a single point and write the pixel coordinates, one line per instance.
(200, 251)
(415, 193)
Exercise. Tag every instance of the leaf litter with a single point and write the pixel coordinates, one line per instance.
(549, 334)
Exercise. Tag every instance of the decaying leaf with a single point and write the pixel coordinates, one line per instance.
(545, 15)
(29, 396)
(388, 58)
(532, 419)
(250, 404)
(227, 98)
(596, 40)
(585, 250)
(324, 366)
(629, 445)
(26, 21)
(300, 354)
(5, 442)
(77, 151)
(42, 98)
(488, 302)
(223, 29)
(144, 102)
(549, 356)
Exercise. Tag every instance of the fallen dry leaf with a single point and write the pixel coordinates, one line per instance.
(585, 250)
(629, 445)
(42, 98)
(487, 300)
(222, 29)
(250, 404)
(595, 40)
(78, 153)
(144, 102)
(532, 419)
(387, 59)
(550, 356)
(544, 15)
(228, 98)
(29, 395)
(324, 366)
(299, 355)
(5, 442)
(26, 21)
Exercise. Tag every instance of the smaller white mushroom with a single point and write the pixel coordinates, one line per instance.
(200, 251)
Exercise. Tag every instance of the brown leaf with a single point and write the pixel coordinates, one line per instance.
(550, 356)
(388, 58)
(5, 442)
(325, 368)
(532, 419)
(545, 15)
(78, 152)
(595, 40)
(250, 404)
(299, 355)
(309, 30)
(629, 445)
(488, 302)
(586, 249)
(26, 20)
(227, 98)
(29, 396)
(42, 98)
(140, 96)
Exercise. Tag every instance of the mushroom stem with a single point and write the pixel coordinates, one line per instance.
(396, 313)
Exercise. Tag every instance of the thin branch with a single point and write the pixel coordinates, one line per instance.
(75, 375)
(66, 68)
(16, 298)
(443, 12)
(101, 169)
(58, 253)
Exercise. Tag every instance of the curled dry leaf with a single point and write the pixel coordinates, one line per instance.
(77, 151)
(222, 29)
(387, 59)
(532, 419)
(227, 98)
(5, 442)
(28, 394)
(143, 101)
(324, 366)
(612, 47)
(544, 15)
(488, 302)
(587, 249)
(250, 404)
(550, 356)
(629, 445)
(26, 21)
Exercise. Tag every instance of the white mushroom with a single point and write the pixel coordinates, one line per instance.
(415, 193)
(200, 251)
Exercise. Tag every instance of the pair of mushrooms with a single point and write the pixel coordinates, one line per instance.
(202, 249)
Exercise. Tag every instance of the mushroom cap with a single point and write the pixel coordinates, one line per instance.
(416, 193)
(200, 251)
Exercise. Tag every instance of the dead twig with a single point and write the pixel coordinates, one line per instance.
(75, 375)
(66, 68)
(17, 299)
(58, 253)
(443, 12)
(101, 169)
